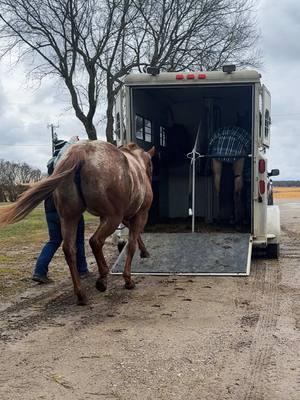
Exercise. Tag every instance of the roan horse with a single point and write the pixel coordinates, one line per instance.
(115, 184)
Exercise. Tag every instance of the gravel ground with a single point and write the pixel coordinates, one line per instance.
(170, 338)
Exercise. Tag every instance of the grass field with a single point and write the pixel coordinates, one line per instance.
(21, 243)
(286, 193)
(32, 228)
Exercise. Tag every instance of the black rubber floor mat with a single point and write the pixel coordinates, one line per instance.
(191, 254)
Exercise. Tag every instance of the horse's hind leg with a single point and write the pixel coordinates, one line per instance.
(136, 226)
(107, 227)
(69, 232)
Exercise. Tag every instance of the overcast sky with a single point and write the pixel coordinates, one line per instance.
(27, 111)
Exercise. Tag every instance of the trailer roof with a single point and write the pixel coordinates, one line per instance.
(190, 78)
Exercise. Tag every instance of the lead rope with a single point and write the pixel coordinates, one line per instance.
(193, 156)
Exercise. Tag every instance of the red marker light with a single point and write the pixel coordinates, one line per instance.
(179, 76)
(261, 166)
(202, 76)
(262, 187)
(191, 76)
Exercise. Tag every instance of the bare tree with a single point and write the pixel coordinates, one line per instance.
(118, 59)
(177, 35)
(94, 43)
(13, 178)
(65, 38)
(199, 34)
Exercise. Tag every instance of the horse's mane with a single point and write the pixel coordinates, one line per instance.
(129, 147)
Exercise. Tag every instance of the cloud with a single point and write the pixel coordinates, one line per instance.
(26, 111)
(281, 30)
(284, 153)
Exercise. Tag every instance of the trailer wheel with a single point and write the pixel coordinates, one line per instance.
(121, 245)
(270, 199)
(273, 250)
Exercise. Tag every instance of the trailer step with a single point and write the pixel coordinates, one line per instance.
(191, 254)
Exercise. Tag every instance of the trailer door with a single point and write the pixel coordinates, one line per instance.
(265, 116)
(120, 117)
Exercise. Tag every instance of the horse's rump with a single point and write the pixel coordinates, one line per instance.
(112, 180)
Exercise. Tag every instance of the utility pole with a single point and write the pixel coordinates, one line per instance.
(53, 135)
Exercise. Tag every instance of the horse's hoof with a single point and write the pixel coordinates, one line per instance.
(101, 284)
(144, 254)
(129, 285)
(82, 300)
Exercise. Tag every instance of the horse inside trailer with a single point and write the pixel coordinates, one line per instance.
(178, 114)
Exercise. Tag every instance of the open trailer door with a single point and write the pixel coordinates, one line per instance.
(265, 116)
(192, 254)
(120, 117)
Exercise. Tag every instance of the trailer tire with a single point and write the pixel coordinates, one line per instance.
(270, 199)
(273, 251)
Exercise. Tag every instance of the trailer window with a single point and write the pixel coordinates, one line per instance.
(267, 123)
(139, 127)
(148, 130)
(143, 128)
(260, 124)
(260, 107)
(162, 136)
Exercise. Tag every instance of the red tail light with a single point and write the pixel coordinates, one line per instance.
(261, 166)
(180, 76)
(262, 187)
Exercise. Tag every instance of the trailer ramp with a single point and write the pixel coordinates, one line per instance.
(191, 254)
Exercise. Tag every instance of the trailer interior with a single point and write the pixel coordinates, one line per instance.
(169, 118)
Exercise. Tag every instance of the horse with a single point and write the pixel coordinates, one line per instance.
(114, 184)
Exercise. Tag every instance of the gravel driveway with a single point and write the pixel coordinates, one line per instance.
(170, 338)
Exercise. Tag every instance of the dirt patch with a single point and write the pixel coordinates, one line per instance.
(18, 257)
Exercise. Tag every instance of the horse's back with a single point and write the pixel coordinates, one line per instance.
(103, 177)
(110, 181)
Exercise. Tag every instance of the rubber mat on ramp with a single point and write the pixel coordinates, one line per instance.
(191, 254)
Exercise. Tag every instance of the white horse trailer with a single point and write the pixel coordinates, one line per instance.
(178, 114)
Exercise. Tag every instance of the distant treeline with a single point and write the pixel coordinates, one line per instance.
(15, 178)
(286, 183)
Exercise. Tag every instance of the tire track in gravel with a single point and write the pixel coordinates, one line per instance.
(262, 374)
(30, 310)
(56, 306)
(261, 371)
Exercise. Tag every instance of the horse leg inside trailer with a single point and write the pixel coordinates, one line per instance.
(238, 167)
(143, 251)
(136, 227)
(107, 226)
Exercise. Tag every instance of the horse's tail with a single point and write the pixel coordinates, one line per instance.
(39, 191)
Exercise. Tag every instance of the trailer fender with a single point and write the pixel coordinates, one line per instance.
(273, 224)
